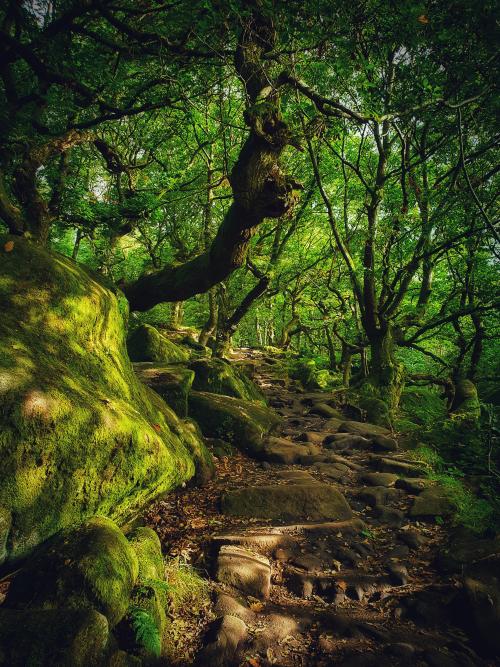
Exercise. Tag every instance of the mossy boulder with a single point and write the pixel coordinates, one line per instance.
(376, 410)
(244, 424)
(218, 376)
(466, 404)
(49, 637)
(79, 434)
(92, 567)
(172, 381)
(311, 377)
(147, 344)
(288, 502)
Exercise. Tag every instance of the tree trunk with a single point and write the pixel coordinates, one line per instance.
(211, 324)
(346, 364)
(260, 189)
(386, 374)
(177, 314)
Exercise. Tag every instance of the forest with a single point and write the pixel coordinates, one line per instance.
(249, 333)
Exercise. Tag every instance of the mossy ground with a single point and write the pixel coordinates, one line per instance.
(79, 434)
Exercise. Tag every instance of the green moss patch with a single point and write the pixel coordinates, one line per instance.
(220, 377)
(79, 434)
(147, 344)
(244, 424)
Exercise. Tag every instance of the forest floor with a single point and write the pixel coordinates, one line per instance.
(364, 591)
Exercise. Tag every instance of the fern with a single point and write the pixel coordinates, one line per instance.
(146, 632)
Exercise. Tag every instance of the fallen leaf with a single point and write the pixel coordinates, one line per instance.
(157, 428)
(423, 19)
(257, 607)
(9, 246)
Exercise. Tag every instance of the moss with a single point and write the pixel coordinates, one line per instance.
(242, 423)
(220, 377)
(79, 434)
(149, 597)
(422, 405)
(93, 567)
(466, 402)
(62, 637)
(147, 344)
(377, 411)
(171, 382)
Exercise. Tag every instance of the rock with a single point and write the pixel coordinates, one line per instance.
(413, 486)
(392, 517)
(244, 424)
(93, 566)
(330, 470)
(172, 382)
(307, 562)
(263, 541)
(314, 502)
(227, 605)
(482, 587)
(400, 468)
(313, 437)
(278, 628)
(364, 429)
(80, 434)
(398, 573)
(384, 444)
(412, 538)
(147, 344)
(466, 547)
(47, 637)
(333, 424)
(295, 476)
(342, 441)
(375, 496)
(379, 478)
(148, 595)
(225, 638)
(218, 376)
(325, 410)
(433, 501)
(247, 571)
(281, 450)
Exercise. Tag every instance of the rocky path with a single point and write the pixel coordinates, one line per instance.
(323, 553)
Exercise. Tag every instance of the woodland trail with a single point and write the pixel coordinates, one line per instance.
(362, 591)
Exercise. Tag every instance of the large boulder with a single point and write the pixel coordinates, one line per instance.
(93, 567)
(147, 344)
(47, 637)
(244, 424)
(289, 502)
(79, 434)
(218, 376)
(482, 587)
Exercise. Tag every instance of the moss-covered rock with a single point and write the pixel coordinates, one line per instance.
(377, 411)
(91, 567)
(289, 502)
(311, 377)
(244, 424)
(50, 637)
(218, 376)
(172, 381)
(146, 619)
(79, 434)
(147, 344)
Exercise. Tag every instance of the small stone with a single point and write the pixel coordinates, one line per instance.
(400, 468)
(376, 496)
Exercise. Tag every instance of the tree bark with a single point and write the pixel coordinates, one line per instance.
(260, 189)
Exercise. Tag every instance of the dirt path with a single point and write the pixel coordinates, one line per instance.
(361, 590)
